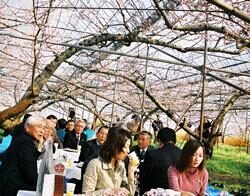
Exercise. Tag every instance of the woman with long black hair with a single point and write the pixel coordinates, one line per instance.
(190, 176)
(108, 170)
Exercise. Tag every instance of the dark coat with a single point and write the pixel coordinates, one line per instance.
(19, 167)
(70, 140)
(138, 153)
(153, 173)
(89, 151)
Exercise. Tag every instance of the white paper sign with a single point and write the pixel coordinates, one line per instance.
(48, 185)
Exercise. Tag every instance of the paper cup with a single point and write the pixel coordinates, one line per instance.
(70, 188)
(134, 160)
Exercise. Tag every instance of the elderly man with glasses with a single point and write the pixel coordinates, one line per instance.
(76, 137)
(19, 168)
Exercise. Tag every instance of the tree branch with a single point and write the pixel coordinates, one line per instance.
(231, 10)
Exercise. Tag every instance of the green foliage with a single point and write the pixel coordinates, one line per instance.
(1, 134)
(229, 160)
(231, 165)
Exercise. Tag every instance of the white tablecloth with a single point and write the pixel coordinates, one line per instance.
(26, 193)
(74, 156)
(72, 170)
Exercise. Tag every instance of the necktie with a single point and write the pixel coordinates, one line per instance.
(78, 138)
(142, 154)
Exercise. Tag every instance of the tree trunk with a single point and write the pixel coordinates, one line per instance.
(215, 129)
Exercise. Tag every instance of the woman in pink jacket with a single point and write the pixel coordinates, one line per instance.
(190, 176)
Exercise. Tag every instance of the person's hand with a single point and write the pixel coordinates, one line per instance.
(187, 194)
(133, 159)
(132, 167)
(41, 141)
(120, 191)
(39, 145)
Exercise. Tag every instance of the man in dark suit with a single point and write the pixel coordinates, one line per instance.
(153, 173)
(76, 137)
(19, 167)
(91, 148)
(143, 145)
(89, 151)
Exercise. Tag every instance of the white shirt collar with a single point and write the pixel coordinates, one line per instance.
(145, 149)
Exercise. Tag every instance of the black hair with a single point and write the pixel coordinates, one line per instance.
(51, 116)
(166, 135)
(102, 127)
(70, 120)
(61, 123)
(187, 153)
(25, 117)
(116, 140)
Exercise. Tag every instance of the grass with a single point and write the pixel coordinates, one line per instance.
(230, 167)
(229, 160)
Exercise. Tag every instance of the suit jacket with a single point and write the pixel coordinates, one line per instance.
(19, 167)
(70, 140)
(138, 152)
(153, 173)
(89, 151)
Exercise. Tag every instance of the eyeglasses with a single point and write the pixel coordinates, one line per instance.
(79, 126)
(48, 127)
(39, 126)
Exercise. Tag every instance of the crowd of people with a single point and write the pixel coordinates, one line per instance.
(106, 164)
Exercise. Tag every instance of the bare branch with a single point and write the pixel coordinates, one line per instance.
(231, 10)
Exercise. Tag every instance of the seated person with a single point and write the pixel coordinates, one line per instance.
(55, 137)
(153, 172)
(60, 129)
(19, 167)
(70, 126)
(143, 144)
(108, 170)
(89, 132)
(76, 137)
(89, 151)
(189, 175)
(91, 148)
(47, 138)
